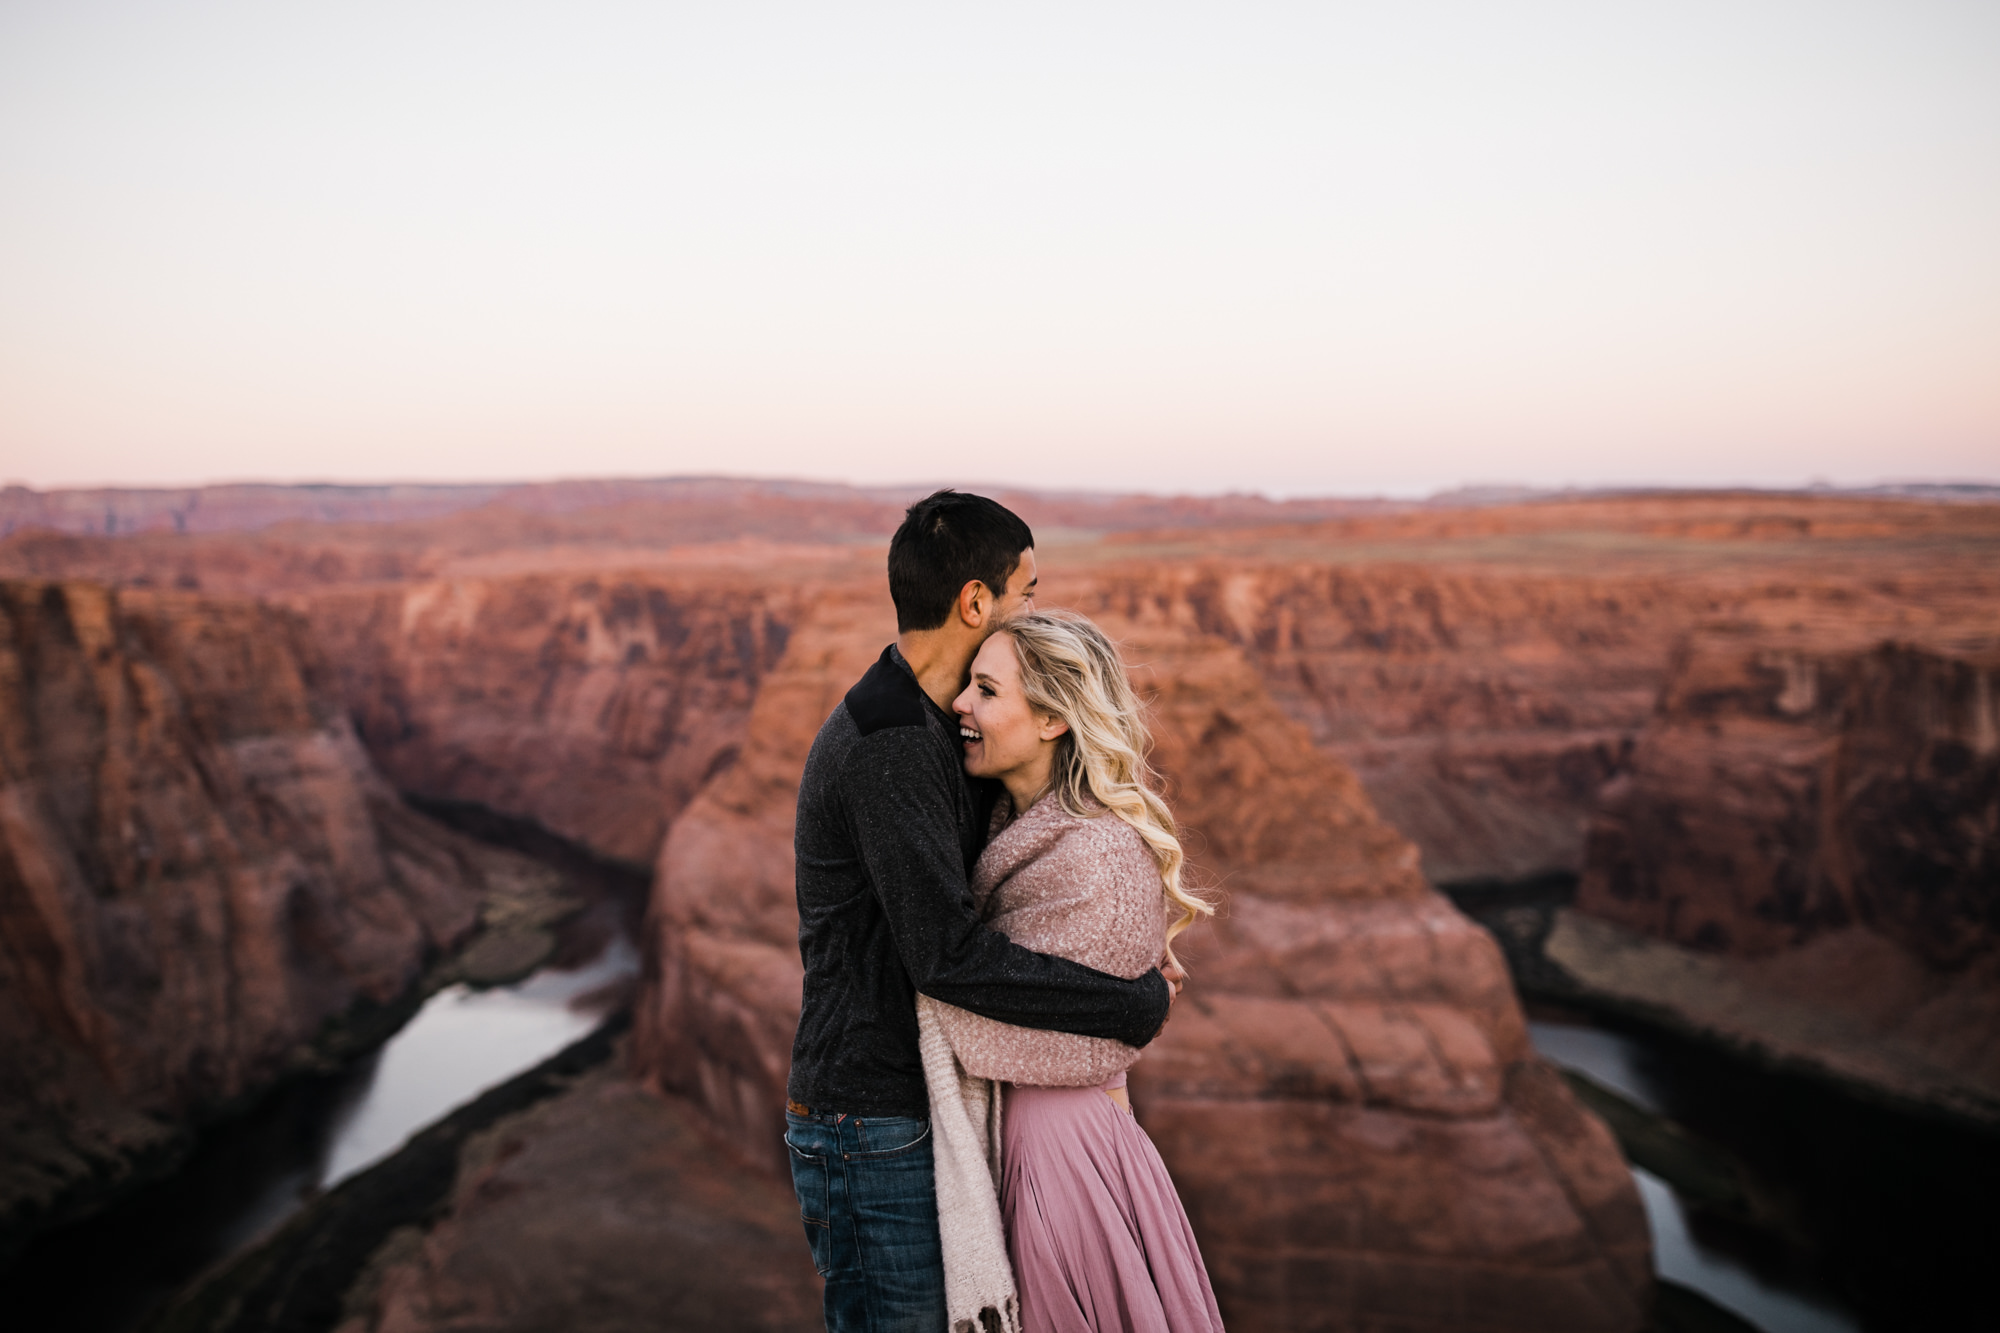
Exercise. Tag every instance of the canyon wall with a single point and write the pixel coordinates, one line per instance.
(1823, 806)
(593, 704)
(198, 870)
(1481, 709)
(1485, 671)
(188, 825)
(1346, 1094)
(1788, 787)
(720, 999)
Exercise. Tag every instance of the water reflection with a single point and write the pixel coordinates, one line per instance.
(1679, 1257)
(1618, 1062)
(109, 1273)
(1627, 1068)
(462, 1042)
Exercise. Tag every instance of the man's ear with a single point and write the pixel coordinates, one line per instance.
(975, 604)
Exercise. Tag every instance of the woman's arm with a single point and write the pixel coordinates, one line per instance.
(1093, 898)
(989, 1049)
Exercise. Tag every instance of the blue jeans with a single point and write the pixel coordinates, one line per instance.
(869, 1203)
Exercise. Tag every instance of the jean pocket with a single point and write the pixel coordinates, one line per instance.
(886, 1136)
(809, 1182)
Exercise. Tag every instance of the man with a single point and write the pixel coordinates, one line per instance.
(889, 827)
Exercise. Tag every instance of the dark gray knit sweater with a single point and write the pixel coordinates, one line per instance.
(888, 829)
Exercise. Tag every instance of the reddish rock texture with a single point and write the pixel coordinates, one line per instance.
(1481, 710)
(721, 995)
(1346, 1094)
(594, 704)
(1483, 669)
(1486, 671)
(1788, 787)
(198, 869)
(1346, 1097)
(1825, 806)
(608, 1209)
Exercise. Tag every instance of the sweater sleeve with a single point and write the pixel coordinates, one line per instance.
(990, 1049)
(899, 800)
(1106, 910)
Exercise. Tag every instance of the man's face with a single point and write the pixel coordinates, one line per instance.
(1019, 598)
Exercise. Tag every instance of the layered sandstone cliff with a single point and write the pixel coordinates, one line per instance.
(593, 704)
(658, 667)
(1818, 810)
(1346, 1097)
(1789, 786)
(721, 994)
(1486, 671)
(1481, 709)
(198, 870)
(1483, 669)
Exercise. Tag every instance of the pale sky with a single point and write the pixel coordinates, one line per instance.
(1304, 249)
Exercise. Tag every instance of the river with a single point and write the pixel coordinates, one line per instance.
(107, 1275)
(462, 1042)
(1863, 1215)
(1626, 1065)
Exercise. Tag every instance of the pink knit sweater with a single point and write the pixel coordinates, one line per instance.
(1083, 889)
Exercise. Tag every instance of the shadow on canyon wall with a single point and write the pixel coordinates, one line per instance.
(1758, 728)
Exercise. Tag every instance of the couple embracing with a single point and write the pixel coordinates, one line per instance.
(988, 887)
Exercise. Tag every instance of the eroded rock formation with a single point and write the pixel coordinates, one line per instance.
(721, 995)
(1789, 787)
(606, 1208)
(1821, 807)
(1485, 671)
(1346, 1092)
(1346, 1097)
(595, 705)
(198, 870)
(1482, 710)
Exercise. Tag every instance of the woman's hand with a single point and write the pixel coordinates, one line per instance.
(1176, 977)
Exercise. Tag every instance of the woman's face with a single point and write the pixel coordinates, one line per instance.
(1002, 736)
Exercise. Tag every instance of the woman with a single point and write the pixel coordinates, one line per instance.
(1083, 864)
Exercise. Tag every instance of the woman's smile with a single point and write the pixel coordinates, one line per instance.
(1000, 732)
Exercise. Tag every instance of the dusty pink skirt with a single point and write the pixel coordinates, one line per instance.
(1099, 1239)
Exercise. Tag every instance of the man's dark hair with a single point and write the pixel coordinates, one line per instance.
(946, 541)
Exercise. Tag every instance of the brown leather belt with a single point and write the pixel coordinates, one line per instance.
(797, 1108)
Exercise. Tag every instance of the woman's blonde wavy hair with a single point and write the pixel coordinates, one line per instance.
(1071, 671)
